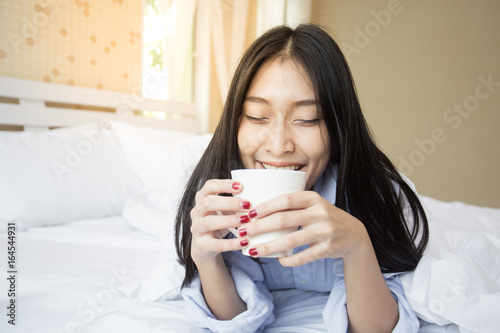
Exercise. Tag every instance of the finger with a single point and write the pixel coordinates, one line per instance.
(223, 245)
(281, 244)
(216, 222)
(213, 204)
(289, 201)
(234, 231)
(310, 254)
(218, 186)
(291, 219)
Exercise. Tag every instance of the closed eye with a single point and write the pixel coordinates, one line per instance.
(255, 120)
(305, 122)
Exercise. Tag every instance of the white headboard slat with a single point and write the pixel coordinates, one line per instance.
(36, 107)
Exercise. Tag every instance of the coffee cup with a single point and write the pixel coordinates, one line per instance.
(259, 185)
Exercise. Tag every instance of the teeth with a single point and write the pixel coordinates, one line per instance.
(289, 167)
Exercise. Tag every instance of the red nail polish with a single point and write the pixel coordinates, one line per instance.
(244, 219)
(242, 232)
(253, 252)
(245, 204)
(244, 242)
(252, 213)
(236, 186)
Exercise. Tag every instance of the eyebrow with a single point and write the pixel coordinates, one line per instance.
(299, 103)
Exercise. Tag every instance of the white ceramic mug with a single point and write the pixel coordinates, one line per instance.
(260, 185)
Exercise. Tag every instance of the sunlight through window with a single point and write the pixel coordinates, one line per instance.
(159, 28)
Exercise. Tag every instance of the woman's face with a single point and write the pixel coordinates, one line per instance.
(280, 126)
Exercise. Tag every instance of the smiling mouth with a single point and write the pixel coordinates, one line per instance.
(286, 167)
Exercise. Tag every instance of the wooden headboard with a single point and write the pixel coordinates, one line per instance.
(39, 105)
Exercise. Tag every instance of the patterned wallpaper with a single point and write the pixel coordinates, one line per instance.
(93, 43)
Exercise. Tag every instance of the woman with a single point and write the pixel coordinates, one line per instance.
(292, 103)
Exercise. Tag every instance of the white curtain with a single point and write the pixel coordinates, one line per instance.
(228, 24)
(178, 43)
(278, 12)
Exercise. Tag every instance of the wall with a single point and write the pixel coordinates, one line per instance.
(428, 78)
(95, 44)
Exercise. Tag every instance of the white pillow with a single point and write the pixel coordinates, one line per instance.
(62, 175)
(149, 151)
(153, 211)
(457, 280)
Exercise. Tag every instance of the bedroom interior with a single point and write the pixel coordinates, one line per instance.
(102, 120)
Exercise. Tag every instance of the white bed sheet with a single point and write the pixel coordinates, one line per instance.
(71, 278)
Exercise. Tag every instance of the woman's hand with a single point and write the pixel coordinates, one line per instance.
(330, 231)
(208, 227)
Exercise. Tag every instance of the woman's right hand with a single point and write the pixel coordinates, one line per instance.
(208, 227)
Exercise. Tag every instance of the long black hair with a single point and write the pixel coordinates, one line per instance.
(369, 187)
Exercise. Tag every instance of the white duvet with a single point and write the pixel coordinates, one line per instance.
(458, 279)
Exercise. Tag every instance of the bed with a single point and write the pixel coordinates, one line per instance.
(86, 224)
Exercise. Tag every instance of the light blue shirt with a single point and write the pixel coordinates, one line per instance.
(254, 283)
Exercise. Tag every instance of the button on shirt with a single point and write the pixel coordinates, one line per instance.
(254, 282)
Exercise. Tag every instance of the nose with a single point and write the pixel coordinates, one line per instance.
(280, 140)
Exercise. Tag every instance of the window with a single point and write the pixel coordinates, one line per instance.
(168, 50)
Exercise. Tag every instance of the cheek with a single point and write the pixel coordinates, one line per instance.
(248, 144)
(251, 137)
(243, 137)
(315, 145)
(323, 152)
(318, 153)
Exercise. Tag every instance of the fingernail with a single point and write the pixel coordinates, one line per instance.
(244, 242)
(253, 252)
(244, 219)
(252, 213)
(242, 232)
(236, 186)
(245, 204)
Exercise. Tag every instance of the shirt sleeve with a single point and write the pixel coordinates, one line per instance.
(247, 276)
(335, 312)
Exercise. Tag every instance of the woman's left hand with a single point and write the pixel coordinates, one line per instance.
(330, 232)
